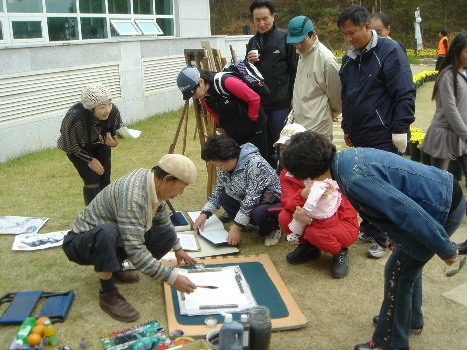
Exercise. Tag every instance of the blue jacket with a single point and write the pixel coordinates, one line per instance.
(407, 200)
(378, 95)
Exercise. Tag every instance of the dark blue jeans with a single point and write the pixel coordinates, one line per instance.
(276, 120)
(402, 303)
(264, 215)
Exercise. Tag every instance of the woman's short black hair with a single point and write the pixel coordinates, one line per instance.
(220, 147)
(160, 174)
(308, 155)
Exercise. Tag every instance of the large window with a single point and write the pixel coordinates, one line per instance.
(91, 6)
(93, 28)
(60, 6)
(143, 7)
(164, 7)
(62, 28)
(119, 6)
(167, 25)
(26, 29)
(34, 6)
(66, 20)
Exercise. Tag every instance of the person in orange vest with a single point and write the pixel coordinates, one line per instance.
(442, 47)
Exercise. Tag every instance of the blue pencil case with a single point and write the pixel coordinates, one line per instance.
(22, 305)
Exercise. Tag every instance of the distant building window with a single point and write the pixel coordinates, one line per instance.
(149, 27)
(164, 7)
(125, 27)
(60, 6)
(34, 6)
(93, 28)
(1, 6)
(1, 32)
(143, 7)
(26, 29)
(167, 25)
(119, 6)
(62, 28)
(91, 6)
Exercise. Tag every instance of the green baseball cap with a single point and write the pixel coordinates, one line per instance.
(299, 27)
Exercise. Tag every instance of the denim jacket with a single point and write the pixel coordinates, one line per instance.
(407, 200)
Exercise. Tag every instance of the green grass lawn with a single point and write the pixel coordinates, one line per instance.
(339, 312)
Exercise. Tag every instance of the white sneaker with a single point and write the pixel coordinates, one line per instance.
(273, 238)
(376, 251)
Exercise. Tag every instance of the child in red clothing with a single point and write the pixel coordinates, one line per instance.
(332, 235)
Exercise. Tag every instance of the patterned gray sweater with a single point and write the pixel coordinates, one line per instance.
(128, 203)
(246, 183)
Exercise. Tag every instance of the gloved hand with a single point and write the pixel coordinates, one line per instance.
(400, 141)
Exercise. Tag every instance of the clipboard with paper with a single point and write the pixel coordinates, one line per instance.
(213, 231)
(231, 293)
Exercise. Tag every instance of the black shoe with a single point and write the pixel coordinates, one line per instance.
(340, 264)
(462, 248)
(415, 331)
(225, 218)
(303, 253)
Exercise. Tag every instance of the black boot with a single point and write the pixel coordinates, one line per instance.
(303, 253)
(89, 193)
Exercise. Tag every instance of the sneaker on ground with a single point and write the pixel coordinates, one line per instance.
(303, 253)
(462, 248)
(371, 345)
(273, 238)
(364, 238)
(414, 331)
(340, 264)
(376, 251)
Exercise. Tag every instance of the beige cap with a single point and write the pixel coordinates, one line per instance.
(179, 166)
(93, 95)
(288, 131)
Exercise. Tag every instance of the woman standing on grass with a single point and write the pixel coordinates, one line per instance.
(87, 134)
(237, 111)
(447, 134)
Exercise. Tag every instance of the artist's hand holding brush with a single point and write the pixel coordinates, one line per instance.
(184, 285)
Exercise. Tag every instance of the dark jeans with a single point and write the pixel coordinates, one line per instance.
(99, 246)
(276, 120)
(103, 154)
(401, 308)
(263, 215)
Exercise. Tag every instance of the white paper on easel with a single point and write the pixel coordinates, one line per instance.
(232, 290)
(128, 133)
(213, 230)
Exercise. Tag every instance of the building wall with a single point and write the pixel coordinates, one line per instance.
(31, 131)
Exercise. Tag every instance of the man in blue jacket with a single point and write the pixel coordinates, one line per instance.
(378, 97)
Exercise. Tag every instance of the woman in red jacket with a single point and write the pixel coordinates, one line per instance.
(331, 236)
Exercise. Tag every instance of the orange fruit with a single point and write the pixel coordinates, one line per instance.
(39, 329)
(42, 319)
(34, 339)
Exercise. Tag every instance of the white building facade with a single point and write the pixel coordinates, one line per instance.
(51, 49)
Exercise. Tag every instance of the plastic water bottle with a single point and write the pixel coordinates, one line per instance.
(23, 332)
(49, 332)
(246, 331)
(231, 334)
(260, 328)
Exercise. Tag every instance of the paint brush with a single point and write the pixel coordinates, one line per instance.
(209, 287)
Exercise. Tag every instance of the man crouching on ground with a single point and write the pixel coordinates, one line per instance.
(129, 220)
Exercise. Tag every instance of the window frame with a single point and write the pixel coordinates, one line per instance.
(44, 28)
(158, 30)
(130, 21)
